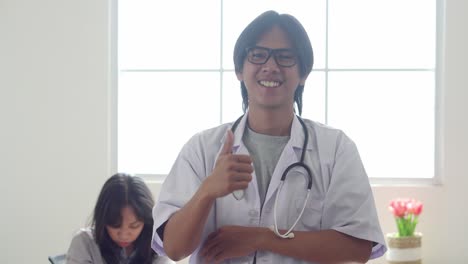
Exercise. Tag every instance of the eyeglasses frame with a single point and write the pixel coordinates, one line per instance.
(271, 52)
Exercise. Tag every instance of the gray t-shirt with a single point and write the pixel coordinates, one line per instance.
(84, 249)
(265, 151)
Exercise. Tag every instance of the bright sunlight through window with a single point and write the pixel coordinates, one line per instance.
(374, 77)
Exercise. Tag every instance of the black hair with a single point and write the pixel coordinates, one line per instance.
(119, 191)
(298, 37)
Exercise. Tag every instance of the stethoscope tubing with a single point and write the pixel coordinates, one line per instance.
(274, 228)
(288, 233)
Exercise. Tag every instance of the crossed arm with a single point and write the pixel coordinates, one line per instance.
(326, 246)
(182, 237)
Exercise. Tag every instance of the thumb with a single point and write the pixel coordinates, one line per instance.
(228, 143)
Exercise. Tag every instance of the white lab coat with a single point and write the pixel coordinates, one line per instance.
(341, 196)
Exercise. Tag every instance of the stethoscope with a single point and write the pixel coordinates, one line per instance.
(239, 194)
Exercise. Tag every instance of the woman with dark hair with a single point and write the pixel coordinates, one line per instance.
(121, 227)
(271, 187)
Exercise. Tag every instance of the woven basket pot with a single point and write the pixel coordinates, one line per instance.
(404, 250)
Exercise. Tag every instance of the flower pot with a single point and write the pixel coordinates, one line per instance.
(404, 250)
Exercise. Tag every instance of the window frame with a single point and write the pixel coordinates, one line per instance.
(439, 155)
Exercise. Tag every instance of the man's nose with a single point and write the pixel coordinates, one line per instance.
(270, 64)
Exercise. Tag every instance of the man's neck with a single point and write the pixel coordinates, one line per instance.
(271, 122)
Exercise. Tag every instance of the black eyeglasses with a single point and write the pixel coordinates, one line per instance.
(260, 55)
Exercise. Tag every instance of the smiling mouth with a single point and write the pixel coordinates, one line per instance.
(124, 244)
(269, 84)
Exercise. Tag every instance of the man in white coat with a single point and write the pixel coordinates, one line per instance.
(228, 198)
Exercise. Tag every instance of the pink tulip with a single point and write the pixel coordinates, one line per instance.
(398, 208)
(415, 207)
(406, 212)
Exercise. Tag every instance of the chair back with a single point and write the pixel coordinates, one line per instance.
(58, 259)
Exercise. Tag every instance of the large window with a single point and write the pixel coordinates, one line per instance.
(374, 77)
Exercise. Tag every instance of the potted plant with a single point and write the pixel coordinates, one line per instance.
(404, 246)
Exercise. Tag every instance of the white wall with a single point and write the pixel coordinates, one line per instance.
(55, 131)
(54, 118)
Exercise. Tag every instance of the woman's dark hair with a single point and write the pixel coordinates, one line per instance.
(297, 35)
(119, 191)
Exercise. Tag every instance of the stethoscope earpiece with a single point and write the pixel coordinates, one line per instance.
(238, 194)
(285, 235)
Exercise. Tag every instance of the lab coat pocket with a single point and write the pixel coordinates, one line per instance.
(312, 217)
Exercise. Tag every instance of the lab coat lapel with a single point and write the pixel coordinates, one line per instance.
(288, 157)
(240, 148)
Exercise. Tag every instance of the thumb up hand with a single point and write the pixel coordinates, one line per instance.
(231, 172)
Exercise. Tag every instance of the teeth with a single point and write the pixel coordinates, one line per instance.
(269, 83)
